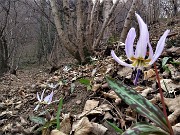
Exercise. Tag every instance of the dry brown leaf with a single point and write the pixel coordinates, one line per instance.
(78, 102)
(173, 50)
(98, 129)
(98, 79)
(176, 129)
(107, 115)
(82, 127)
(108, 68)
(112, 95)
(7, 127)
(43, 86)
(46, 131)
(146, 91)
(174, 72)
(66, 124)
(138, 88)
(123, 123)
(173, 105)
(90, 105)
(23, 121)
(95, 111)
(168, 85)
(95, 87)
(105, 107)
(57, 132)
(150, 75)
(125, 71)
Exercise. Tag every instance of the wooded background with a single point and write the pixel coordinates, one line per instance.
(47, 32)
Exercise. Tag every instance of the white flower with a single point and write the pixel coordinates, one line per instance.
(138, 57)
(46, 100)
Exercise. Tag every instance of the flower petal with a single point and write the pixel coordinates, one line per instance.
(119, 61)
(150, 51)
(36, 108)
(42, 95)
(48, 98)
(38, 97)
(129, 43)
(160, 47)
(141, 47)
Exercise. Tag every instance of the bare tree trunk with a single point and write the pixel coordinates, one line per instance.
(106, 21)
(107, 4)
(66, 15)
(63, 36)
(91, 21)
(175, 7)
(80, 30)
(128, 21)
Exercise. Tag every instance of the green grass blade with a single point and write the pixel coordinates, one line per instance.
(58, 113)
(139, 103)
(115, 127)
(144, 129)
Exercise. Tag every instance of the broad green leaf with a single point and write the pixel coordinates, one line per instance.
(139, 103)
(144, 129)
(175, 62)
(85, 81)
(59, 112)
(38, 120)
(164, 61)
(115, 127)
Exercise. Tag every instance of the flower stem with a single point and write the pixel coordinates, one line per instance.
(162, 100)
(137, 76)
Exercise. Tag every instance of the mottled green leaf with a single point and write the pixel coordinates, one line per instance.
(139, 103)
(115, 127)
(164, 61)
(38, 120)
(85, 81)
(144, 129)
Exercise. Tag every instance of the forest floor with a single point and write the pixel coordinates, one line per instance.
(88, 102)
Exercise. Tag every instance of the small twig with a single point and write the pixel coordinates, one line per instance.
(162, 100)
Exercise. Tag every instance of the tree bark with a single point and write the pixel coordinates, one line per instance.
(128, 21)
(91, 23)
(107, 4)
(175, 7)
(80, 30)
(106, 21)
(62, 35)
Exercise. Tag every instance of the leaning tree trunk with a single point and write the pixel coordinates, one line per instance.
(106, 21)
(3, 55)
(128, 21)
(80, 30)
